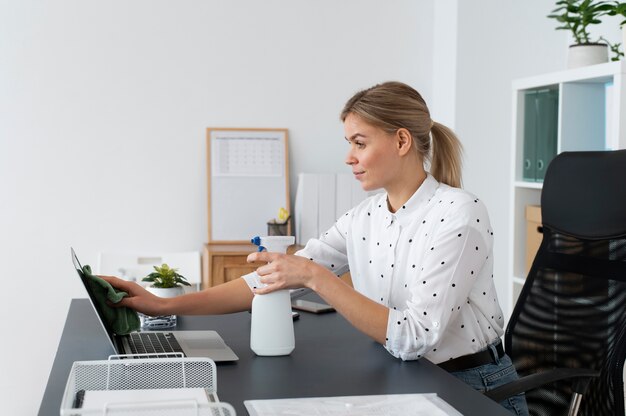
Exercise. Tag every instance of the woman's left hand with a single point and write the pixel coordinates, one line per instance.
(283, 271)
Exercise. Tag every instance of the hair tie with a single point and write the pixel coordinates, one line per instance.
(432, 123)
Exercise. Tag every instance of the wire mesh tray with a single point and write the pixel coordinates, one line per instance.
(145, 374)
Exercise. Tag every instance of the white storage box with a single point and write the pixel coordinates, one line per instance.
(108, 383)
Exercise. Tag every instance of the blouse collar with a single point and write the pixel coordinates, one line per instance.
(418, 200)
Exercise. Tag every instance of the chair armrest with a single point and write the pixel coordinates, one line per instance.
(535, 380)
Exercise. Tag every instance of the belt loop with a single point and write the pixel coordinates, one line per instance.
(494, 353)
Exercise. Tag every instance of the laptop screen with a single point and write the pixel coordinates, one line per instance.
(92, 299)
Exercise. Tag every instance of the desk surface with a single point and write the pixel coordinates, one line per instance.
(331, 358)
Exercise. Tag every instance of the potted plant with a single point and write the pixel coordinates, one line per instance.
(166, 283)
(576, 16)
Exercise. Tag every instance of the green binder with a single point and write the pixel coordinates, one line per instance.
(529, 165)
(547, 120)
(540, 132)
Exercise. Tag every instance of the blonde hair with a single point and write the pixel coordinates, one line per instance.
(394, 105)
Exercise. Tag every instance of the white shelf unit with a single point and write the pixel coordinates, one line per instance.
(591, 116)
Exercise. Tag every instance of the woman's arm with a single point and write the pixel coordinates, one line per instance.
(288, 271)
(233, 296)
(363, 313)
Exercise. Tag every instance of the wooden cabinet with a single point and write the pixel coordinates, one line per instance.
(225, 262)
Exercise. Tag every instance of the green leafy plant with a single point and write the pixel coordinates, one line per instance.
(615, 50)
(165, 277)
(619, 9)
(577, 15)
(617, 53)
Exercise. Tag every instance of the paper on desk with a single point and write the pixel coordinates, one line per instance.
(98, 399)
(377, 405)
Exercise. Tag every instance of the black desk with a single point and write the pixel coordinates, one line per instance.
(331, 359)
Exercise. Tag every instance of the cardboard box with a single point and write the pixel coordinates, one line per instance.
(534, 234)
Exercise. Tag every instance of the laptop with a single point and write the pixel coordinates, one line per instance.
(157, 343)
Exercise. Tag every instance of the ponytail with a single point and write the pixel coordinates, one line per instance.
(446, 155)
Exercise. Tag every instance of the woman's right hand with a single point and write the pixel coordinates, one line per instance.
(138, 298)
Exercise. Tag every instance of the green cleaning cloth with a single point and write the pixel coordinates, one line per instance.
(122, 320)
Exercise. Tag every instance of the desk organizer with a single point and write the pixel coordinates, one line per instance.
(117, 373)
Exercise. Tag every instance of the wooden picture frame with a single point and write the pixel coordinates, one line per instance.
(247, 182)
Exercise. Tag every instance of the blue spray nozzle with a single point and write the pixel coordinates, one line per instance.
(274, 243)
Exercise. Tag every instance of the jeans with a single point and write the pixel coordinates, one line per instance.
(487, 377)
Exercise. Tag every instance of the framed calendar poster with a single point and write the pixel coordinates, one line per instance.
(248, 182)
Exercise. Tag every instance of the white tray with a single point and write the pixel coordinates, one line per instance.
(145, 373)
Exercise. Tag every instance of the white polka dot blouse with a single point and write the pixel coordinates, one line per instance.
(430, 263)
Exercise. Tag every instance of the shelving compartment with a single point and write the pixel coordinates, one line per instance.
(585, 123)
(522, 198)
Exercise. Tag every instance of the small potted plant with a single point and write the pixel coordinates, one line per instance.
(576, 16)
(166, 283)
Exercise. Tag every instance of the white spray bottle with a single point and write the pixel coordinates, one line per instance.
(271, 332)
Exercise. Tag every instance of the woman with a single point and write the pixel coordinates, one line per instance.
(420, 254)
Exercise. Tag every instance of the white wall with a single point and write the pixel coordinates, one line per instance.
(498, 42)
(103, 110)
(445, 33)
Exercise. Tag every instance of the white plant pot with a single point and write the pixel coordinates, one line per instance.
(169, 292)
(587, 54)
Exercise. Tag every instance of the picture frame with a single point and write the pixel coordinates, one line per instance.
(247, 182)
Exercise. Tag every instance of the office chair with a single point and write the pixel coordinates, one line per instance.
(568, 327)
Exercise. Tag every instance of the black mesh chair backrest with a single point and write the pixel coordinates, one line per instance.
(571, 312)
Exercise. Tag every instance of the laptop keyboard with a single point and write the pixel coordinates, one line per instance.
(153, 343)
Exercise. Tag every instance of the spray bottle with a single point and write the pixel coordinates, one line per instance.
(271, 332)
